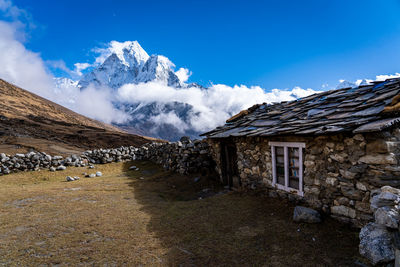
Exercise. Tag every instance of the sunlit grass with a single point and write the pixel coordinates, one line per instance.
(151, 217)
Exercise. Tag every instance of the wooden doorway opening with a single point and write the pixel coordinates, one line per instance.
(230, 172)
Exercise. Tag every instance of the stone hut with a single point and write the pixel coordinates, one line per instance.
(331, 150)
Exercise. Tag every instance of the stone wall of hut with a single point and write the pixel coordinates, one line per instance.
(341, 172)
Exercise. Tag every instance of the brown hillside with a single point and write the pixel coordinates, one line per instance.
(28, 121)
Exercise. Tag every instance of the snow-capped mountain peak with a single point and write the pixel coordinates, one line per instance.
(347, 84)
(160, 69)
(128, 62)
(129, 52)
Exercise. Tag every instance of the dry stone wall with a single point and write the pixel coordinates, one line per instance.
(340, 171)
(185, 157)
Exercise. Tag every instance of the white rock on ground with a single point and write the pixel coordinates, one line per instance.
(303, 214)
(70, 179)
(61, 168)
(99, 174)
(376, 243)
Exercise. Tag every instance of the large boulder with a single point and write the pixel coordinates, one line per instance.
(388, 217)
(376, 243)
(303, 214)
(384, 199)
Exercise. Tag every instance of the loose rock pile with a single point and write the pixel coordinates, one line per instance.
(34, 161)
(377, 238)
(185, 156)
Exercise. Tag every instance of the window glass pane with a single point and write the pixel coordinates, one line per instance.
(293, 152)
(293, 157)
(280, 165)
(294, 182)
(294, 168)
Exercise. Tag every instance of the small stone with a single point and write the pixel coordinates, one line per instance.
(390, 189)
(359, 137)
(92, 175)
(303, 214)
(343, 211)
(99, 174)
(338, 157)
(348, 175)
(70, 179)
(384, 199)
(132, 167)
(91, 167)
(61, 168)
(361, 186)
(52, 169)
(76, 178)
(332, 181)
(379, 159)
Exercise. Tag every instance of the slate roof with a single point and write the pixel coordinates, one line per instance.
(368, 108)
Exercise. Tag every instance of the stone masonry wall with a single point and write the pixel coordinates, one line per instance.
(340, 171)
(185, 157)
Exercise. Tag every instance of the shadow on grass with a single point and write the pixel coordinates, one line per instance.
(231, 229)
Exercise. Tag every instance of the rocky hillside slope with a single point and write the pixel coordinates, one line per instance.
(28, 121)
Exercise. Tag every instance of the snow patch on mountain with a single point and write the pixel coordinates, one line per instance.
(362, 82)
(160, 69)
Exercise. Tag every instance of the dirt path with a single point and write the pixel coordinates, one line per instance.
(150, 217)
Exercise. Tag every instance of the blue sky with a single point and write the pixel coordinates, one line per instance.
(274, 44)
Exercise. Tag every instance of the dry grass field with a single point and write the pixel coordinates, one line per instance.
(155, 218)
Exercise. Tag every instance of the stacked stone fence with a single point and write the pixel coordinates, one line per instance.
(185, 157)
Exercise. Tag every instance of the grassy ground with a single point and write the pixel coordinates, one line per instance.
(152, 218)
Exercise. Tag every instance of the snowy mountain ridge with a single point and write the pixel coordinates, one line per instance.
(128, 62)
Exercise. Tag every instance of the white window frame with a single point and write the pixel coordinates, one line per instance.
(285, 146)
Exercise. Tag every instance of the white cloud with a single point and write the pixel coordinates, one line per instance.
(27, 70)
(389, 76)
(212, 106)
(170, 118)
(21, 66)
(10, 10)
(79, 67)
(183, 74)
(96, 103)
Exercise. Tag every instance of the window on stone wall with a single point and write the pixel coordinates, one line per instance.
(287, 166)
